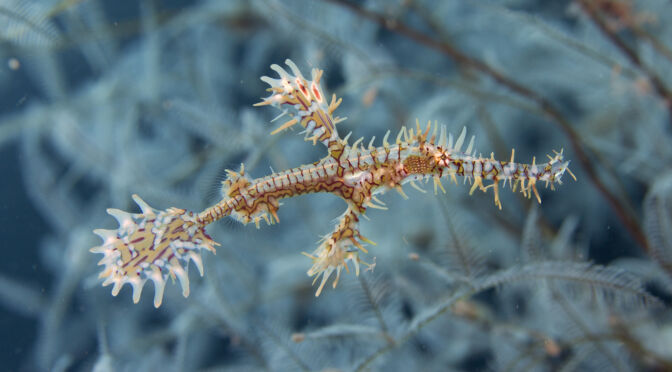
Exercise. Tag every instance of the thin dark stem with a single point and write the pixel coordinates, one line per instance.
(376, 308)
(592, 11)
(622, 209)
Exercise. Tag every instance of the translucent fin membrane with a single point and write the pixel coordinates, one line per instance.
(151, 245)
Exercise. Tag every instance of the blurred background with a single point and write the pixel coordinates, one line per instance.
(100, 100)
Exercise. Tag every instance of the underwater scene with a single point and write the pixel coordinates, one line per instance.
(335, 185)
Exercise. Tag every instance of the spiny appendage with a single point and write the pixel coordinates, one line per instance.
(243, 200)
(525, 175)
(442, 157)
(152, 245)
(550, 173)
(342, 245)
(305, 103)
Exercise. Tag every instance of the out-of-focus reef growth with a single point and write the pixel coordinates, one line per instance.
(102, 100)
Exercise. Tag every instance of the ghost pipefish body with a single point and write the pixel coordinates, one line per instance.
(157, 244)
